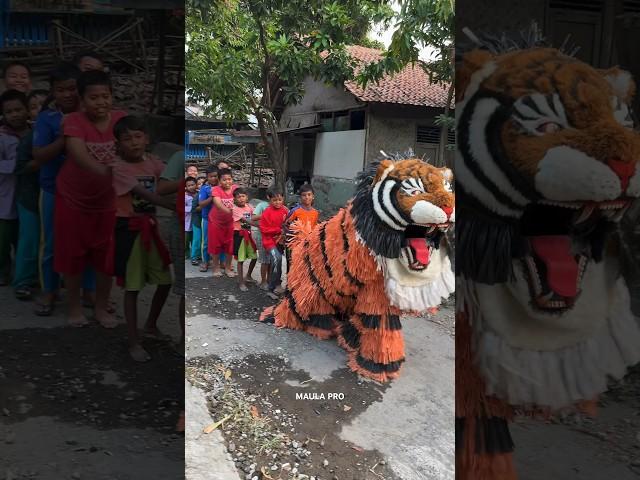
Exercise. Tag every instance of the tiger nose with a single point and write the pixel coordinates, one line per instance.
(624, 170)
(447, 210)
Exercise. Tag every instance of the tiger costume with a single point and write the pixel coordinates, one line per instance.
(352, 276)
(546, 165)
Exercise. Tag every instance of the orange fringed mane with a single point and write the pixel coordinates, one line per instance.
(336, 289)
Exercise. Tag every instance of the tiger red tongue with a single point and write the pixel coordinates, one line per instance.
(421, 251)
(562, 268)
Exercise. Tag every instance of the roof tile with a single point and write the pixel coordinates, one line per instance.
(411, 86)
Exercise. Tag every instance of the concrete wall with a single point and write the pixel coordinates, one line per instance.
(331, 194)
(393, 130)
(339, 154)
(320, 97)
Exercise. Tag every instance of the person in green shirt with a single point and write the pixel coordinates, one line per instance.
(170, 183)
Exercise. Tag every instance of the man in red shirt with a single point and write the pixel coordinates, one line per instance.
(271, 229)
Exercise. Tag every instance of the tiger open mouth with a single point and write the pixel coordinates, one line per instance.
(419, 244)
(561, 239)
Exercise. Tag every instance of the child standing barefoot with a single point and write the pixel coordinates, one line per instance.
(262, 254)
(221, 223)
(85, 210)
(244, 247)
(271, 223)
(205, 201)
(141, 257)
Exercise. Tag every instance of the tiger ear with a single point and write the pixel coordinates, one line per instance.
(447, 174)
(621, 82)
(383, 169)
(471, 63)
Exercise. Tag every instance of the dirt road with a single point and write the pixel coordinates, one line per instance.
(73, 406)
(312, 417)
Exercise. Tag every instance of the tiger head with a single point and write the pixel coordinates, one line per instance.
(401, 210)
(546, 163)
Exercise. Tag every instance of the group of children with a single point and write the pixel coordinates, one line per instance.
(222, 225)
(78, 197)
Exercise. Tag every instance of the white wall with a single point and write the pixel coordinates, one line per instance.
(339, 154)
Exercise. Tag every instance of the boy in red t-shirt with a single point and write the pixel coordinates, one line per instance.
(271, 222)
(221, 223)
(85, 205)
(141, 257)
(244, 247)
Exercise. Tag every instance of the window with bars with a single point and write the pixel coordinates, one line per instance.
(579, 5)
(431, 134)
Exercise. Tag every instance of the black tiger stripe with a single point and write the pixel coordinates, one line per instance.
(494, 144)
(345, 243)
(351, 335)
(493, 436)
(325, 259)
(394, 202)
(549, 99)
(496, 150)
(292, 305)
(323, 250)
(472, 164)
(529, 102)
(312, 274)
(460, 431)
(321, 321)
(374, 321)
(393, 322)
(370, 321)
(375, 367)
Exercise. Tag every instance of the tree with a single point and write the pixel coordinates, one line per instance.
(246, 57)
(419, 24)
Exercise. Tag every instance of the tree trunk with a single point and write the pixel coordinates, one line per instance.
(272, 141)
(279, 163)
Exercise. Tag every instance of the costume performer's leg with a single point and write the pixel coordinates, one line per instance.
(305, 306)
(483, 443)
(373, 336)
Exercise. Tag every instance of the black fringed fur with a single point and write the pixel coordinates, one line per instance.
(378, 236)
(489, 246)
(492, 435)
(379, 367)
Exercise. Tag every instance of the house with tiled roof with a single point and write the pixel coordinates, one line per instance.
(335, 131)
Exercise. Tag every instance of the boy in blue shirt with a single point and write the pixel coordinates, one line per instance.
(204, 207)
(48, 156)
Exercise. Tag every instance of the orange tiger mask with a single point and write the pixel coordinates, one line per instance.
(352, 276)
(546, 164)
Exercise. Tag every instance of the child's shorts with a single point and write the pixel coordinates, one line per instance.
(263, 256)
(82, 239)
(136, 266)
(220, 239)
(242, 250)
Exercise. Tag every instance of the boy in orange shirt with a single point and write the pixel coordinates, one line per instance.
(303, 212)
